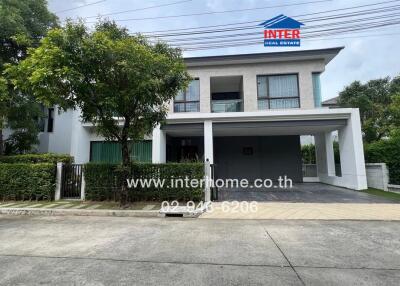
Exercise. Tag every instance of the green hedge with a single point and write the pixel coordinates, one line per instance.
(104, 181)
(27, 181)
(36, 158)
(308, 153)
(386, 151)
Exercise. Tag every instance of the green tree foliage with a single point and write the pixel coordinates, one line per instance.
(120, 82)
(22, 25)
(378, 101)
(387, 151)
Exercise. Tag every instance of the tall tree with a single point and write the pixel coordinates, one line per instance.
(120, 82)
(22, 25)
(376, 102)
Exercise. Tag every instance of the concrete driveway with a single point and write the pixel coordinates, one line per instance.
(136, 251)
(302, 192)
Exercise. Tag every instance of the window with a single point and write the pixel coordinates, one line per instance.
(316, 89)
(188, 100)
(278, 92)
(50, 120)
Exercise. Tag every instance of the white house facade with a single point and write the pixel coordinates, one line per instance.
(244, 114)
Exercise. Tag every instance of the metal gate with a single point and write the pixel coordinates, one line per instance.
(71, 181)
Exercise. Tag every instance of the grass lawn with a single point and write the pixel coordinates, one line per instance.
(388, 195)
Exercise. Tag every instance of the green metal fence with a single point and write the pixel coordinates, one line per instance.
(110, 152)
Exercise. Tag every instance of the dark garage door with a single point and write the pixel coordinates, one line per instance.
(258, 157)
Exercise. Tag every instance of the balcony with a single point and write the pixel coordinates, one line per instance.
(229, 105)
(226, 93)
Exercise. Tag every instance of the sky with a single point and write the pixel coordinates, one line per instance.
(363, 58)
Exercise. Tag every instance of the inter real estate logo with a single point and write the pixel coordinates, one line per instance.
(281, 31)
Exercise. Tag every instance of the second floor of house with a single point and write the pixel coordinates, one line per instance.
(254, 82)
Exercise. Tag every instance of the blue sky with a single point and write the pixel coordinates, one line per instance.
(362, 59)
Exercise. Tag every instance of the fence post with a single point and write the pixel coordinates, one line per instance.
(207, 177)
(57, 195)
(83, 184)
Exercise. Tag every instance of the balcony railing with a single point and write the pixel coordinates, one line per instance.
(231, 105)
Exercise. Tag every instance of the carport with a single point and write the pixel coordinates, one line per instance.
(264, 150)
(266, 144)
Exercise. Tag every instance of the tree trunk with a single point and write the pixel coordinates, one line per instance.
(126, 164)
(1, 142)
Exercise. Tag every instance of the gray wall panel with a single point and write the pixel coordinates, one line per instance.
(273, 156)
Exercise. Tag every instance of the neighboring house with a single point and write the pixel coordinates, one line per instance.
(331, 103)
(245, 114)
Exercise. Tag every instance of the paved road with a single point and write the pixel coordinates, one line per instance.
(136, 251)
(302, 193)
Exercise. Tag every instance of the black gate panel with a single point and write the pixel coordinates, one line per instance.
(71, 181)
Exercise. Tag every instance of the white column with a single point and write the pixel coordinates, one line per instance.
(207, 177)
(352, 153)
(159, 146)
(205, 93)
(324, 155)
(351, 156)
(57, 195)
(330, 154)
(250, 91)
(83, 185)
(208, 142)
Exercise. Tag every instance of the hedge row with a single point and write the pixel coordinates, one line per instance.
(27, 181)
(104, 181)
(36, 158)
(386, 151)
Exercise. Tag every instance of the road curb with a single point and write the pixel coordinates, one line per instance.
(78, 212)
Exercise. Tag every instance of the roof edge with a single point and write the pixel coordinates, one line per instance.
(327, 54)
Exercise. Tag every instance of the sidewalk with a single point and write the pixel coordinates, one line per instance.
(305, 211)
(79, 208)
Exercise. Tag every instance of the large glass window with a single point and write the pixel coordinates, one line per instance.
(188, 100)
(278, 92)
(316, 89)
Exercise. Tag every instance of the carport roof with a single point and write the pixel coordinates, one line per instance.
(261, 123)
(265, 115)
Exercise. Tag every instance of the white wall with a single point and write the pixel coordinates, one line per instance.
(58, 141)
(80, 139)
(60, 138)
(377, 176)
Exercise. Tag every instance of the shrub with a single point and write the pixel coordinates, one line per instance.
(37, 158)
(386, 151)
(103, 181)
(308, 153)
(27, 181)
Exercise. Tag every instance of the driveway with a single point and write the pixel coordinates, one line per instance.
(302, 192)
(136, 251)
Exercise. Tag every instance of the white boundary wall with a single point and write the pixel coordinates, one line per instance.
(377, 175)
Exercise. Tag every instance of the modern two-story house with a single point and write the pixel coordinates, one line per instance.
(243, 113)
